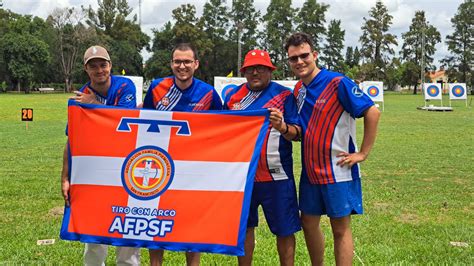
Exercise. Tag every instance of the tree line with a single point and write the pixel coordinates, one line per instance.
(34, 50)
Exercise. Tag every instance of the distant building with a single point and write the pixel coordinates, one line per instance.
(438, 76)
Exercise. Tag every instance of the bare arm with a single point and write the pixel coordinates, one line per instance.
(371, 119)
(81, 97)
(65, 176)
(288, 131)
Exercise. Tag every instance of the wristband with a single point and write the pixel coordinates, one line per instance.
(286, 131)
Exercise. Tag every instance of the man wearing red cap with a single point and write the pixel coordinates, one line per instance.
(274, 186)
(104, 89)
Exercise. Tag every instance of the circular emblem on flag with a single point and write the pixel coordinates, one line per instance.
(147, 172)
(432, 91)
(458, 91)
(165, 101)
(373, 91)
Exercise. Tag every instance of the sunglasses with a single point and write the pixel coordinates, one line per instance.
(294, 59)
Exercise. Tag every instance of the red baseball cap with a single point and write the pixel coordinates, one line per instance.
(257, 57)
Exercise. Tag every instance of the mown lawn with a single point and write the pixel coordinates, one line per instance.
(418, 188)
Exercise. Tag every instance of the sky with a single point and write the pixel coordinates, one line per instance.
(155, 13)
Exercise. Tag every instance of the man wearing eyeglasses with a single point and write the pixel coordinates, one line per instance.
(328, 104)
(181, 92)
(274, 186)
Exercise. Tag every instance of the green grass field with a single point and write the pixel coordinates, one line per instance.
(418, 188)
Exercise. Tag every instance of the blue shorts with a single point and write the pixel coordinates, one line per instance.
(280, 206)
(335, 200)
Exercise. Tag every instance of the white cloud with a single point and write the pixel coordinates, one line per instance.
(350, 12)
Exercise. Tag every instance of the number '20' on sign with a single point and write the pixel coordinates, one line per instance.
(27, 114)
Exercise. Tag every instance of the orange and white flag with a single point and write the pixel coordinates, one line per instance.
(163, 180)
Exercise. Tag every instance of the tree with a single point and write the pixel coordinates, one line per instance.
(349, 58)
(393, 74)
(352, 57)
(5, 17)
(215, 23)
(23, 51)
(461, 45)
(310, 19)
(407, 78)
(122, 36)
(376, 41)
(188, 28)
(72, 37)
(244, 19)
(278, 25)
(357, 56)
(158, 65)
(332, 53)
(420, 37)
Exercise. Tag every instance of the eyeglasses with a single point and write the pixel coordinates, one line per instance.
(186, 63)
(260, 69)
(294, 59)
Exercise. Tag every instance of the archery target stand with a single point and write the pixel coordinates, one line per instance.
(457, 91)
(432, 91)
(374, 89)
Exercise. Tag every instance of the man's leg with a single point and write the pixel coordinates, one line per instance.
(156, 257)
(286, 250)
(95, 254)
(193, 258)
(314, 238)
(343, 245)
(249, 246)
(127, 256)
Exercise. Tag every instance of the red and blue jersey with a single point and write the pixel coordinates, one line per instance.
(276, 160)
(121, 92)
(164, 95)
(327, 109)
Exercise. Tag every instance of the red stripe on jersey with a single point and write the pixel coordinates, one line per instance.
(278, 101)
(119, 92)
(263, 171)
(298, 86)
(204, 103)
(324, 147)
(315, 152)
(160, 90)
(87, 90)
(237, 97)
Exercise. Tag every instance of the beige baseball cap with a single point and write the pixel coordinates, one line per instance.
(96, 52)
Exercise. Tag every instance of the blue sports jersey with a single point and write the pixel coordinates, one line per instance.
(164, 95)
(327, 109)
(276, 160)
(121, 92)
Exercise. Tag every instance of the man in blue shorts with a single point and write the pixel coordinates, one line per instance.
(105, 89)
(328, 104)
(181, 92)
(274, 186)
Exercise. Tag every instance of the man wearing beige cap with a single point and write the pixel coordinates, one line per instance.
(106, 89)
(274, 185)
